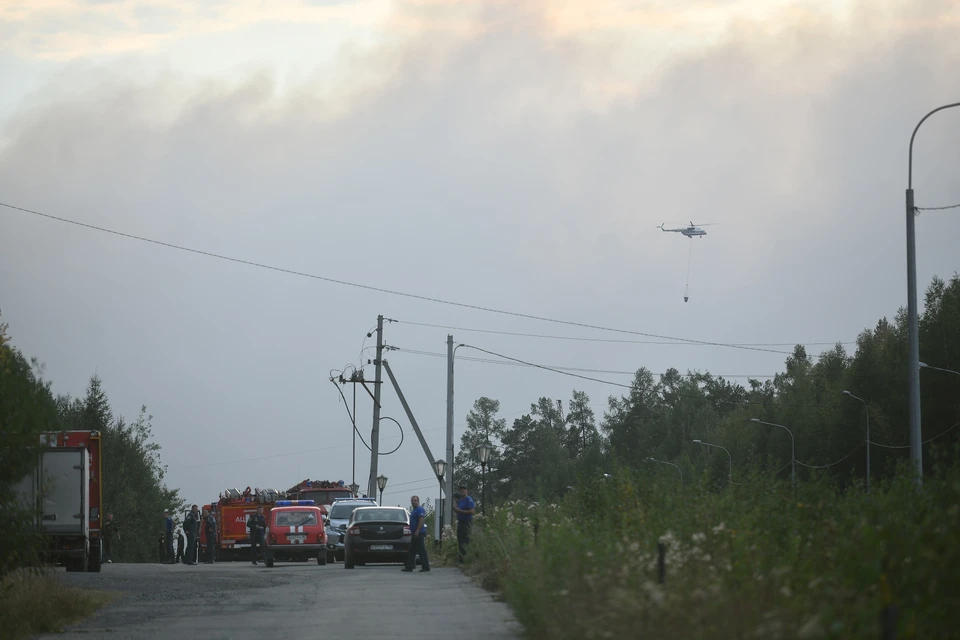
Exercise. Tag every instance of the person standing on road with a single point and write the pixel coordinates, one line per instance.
(161, 548)
(110, 532)
(257, 525)
(418, 535)
(464, 509)
(191, 525)
(210, 531)
(180, 547)
(168, 532)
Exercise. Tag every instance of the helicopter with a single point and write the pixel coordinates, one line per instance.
(691, 231)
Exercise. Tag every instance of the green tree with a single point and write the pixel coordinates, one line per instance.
(483, 425)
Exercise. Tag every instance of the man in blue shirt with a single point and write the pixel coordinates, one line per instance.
(418, 535)
(464, 510)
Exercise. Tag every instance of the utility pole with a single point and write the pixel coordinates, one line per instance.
(375, 432)
(448, 504)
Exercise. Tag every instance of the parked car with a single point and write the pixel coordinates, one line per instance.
(337, 519)
(377, 534)
(295, 532)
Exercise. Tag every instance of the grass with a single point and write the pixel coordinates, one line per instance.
(749, 561)
(35, 602)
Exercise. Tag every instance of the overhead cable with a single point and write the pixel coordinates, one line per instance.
(404, 294)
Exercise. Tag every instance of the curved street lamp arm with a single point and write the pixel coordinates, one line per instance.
(910, 162)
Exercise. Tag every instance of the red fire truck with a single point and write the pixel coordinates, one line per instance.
(322, 492)
(232, 510)
(66, 494)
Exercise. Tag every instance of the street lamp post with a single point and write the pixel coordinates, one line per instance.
(669, 463)
(867, 411)
(793, 451)
(707, 444)
(381, 484)
(924, 365)
(439, 467)
(354, 488)
(483, 451)
(913, 323)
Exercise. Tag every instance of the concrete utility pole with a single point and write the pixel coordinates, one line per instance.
(375, 432)
(448, 503)
(913, 323)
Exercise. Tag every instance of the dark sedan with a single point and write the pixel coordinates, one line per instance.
(377, 534)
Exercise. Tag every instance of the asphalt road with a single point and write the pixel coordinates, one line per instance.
(236, 601)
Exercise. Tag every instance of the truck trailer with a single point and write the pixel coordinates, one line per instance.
(65, 494)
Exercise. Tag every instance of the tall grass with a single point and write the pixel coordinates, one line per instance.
(743, 561)
(36, 601)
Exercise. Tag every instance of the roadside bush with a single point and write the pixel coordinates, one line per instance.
(33, 602)
(750, 560)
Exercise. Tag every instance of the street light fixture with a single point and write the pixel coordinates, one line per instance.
(382, 484)
(707, 444)
(669, 463)
(793, 451)
(440, 467)
(867, 411)
(354, 488)
(924, 365)
(483, 451)
(913, 323)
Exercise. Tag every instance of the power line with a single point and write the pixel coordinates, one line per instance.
(891, 446)
(303, 274)
(580, 369)
(607, 340)
(545, 368)
(826, 466)
(949, 206)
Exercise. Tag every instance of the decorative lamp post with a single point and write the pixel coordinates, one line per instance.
(354, 488)
(381, 484)
(440, 467)
(483, 451)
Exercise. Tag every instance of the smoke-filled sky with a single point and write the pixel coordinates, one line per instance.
(502, 154)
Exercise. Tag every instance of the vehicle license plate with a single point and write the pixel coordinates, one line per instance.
(296, 538)
(381, 547)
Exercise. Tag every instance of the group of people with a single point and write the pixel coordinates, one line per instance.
(464, 509)
(188, 552)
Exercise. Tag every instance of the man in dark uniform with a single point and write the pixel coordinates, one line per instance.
(180, 547)
(257, 524)
(162, 549)
(191, 527)
(464, 510)
(210, 531)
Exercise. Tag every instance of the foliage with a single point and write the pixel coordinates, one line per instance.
(32, 603)
(26, 409)
(747, 561)
(541, 452)
(764, 562)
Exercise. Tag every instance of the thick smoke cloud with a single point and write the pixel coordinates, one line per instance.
(504, 165)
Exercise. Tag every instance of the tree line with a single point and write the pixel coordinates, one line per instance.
(134, 490)
(543, 452)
